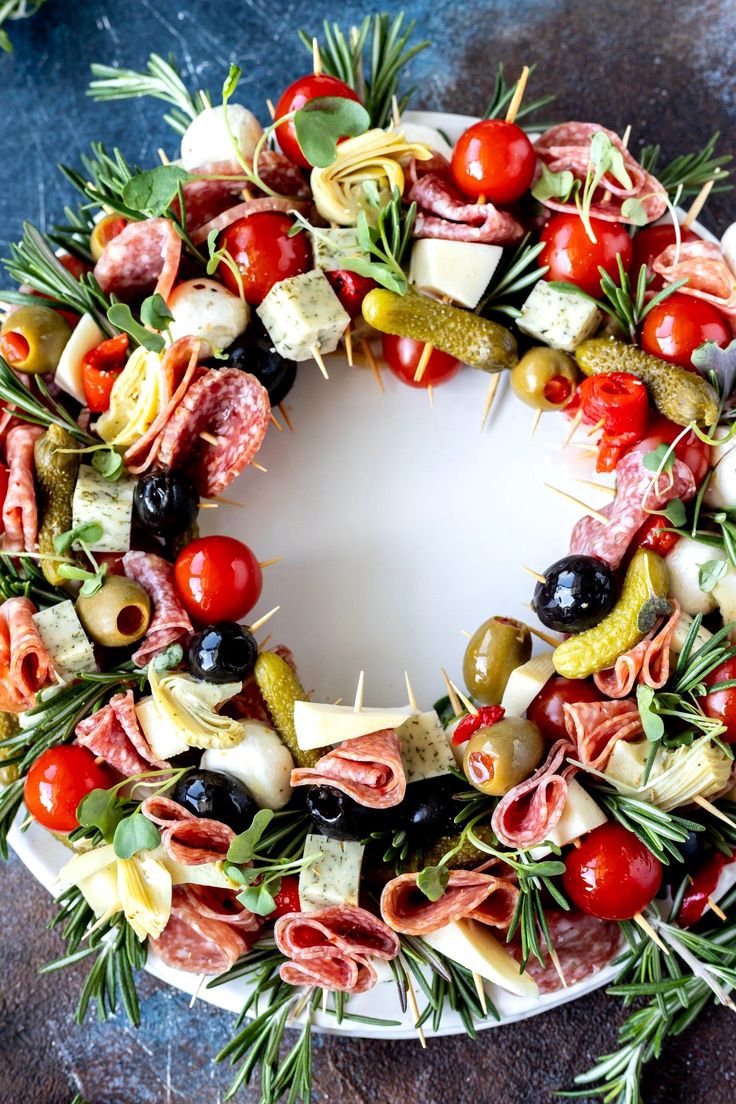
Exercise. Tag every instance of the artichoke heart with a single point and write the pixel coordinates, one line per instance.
(678, 775)
(137, 396)
(141, 887)
(376, 156)
(191, 707)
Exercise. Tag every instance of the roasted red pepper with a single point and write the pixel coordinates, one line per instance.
(703, 886)
(4, 474)
(617, 399)
(100, 368)
(655, 536)
(486, 716)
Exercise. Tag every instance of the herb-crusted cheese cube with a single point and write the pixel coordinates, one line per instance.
(109, 504)
(334, 877)
(318, 725)
(461, 271)
(425, 750)
(329, 245)
(162, 734)
(302, 313)
(558, 318)
(65, 640)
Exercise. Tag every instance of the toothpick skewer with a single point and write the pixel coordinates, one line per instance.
(598, 486)
(578, 502)
(423, 362)
(414, 1007)
(518, 96)
(358, 705)
(316, 353)
(577, 419)
(367, 352)
(430, 395)
(480, 990)
(556, 963)
(465, 700)
(348, 339)
(200, 982)
(490, 396)
(316, 58)
(546, 637)
(535, 574)
(454, 699)
(535, 423)
(698, 203)
(647, 928)
(716, 908)
(466, 634)
(594, 429)
(395, 113)
(262, 620)
(709, 807)
(264, 642)
(267, 563)
(275, 422)
(271, 108)
(258, 467)
(162, 156)
(208, 505)
(410, 692)
(210, 439)
(285, 415)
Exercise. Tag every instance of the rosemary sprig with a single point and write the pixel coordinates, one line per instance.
(503, 93)
(12, 10)
(43, 411)
(449, 985)
(520, 271)
(103, 180)
(26, 580)
(661, 832)
(691, 171)
(73, 235)
(161, 80)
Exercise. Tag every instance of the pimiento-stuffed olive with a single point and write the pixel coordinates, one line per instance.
(224, 652)
(253, 352)
(577, 593)
(216, 796)
(166, 503)
(498, 758)
(495, 649)
(544, 378)
(32, 339)
(116, 615)
(430, 808)
(336, 815)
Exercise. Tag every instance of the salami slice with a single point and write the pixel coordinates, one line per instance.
(406, 909)
(444, 213)
(20, 516)
(329, 969)
(215, 903)
(368, 769)
(114, 734)
(143, 258)
(596, 728)
(331, 947)
(164, 811)
(527, 813)
(708, 276)
(583, 944)
(229, 405)
(197, 841)
(497, 911)
(195, 943)
(242, 210)
(206, 198)
(25, 665)
(647, 662)
(282, 175)
(170, 623)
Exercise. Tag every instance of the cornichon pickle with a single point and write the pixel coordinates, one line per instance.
(468, 337)
(599, 647)
(281, 689)
(8, 727)
(56, 476)
(680, 395)
(468, 855)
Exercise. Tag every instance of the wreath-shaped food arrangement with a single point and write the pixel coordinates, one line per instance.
(564, 810)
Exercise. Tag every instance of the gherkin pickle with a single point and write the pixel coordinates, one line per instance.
(56, 477)
(544, 378)
(9, 725)
(499, 757)
(32, 339)
(495, 649)
(281, 689)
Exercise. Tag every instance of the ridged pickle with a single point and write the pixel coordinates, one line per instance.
(281, 689)
(599, 647)
(56, 477)
(680, 395)
(9, 725)
(475, 341)
(495, 649)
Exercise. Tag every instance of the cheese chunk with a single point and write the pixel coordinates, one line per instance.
(109, 504)
(460, 271)
(210, 135)
(424, 747)
(683, 566)
(162, 734)
(334, 877)
(86, 336)
(303, 313)
(65, 640)
(558, 318)
(680, 635)
(580, 815)
(525, 682)
(260, 761)
(318, 725)
(332, 243)
(472, 946)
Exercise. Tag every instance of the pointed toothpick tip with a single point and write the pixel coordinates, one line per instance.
(410, 693)
(590, 510)
(262, 620)
(423, 362)
(358, 704)
(454, 699)
(490, 397)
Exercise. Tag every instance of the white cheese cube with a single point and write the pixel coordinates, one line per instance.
(460, 271)
(303, 313)
(334, 877)
(332, 243)
(110, 504)
(472, 946)
(86, 336)
(580, 815)
(525, 682)
(561, 319)
(162, 734)
(424, 747)
(319, 725)
(65, 640)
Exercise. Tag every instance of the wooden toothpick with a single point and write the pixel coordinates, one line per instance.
(647, 928)
(535, 423)
(578, 502)
(535, 574)
(395, 113)
(546, 637)
(348, 339)
(271, 108)
(454, 699)
(162, 156)
(577, 419)
(358, 705)
(698, 203)
(367, 352)
(267, 563)
(285, 415)
(716, 909)
(490, 397)
(465, 700)
(316, 58)
(423, 362)
(410, 692)
(709, 807)
(480, 990)
(258, 467)
(210, 439)
(208, 505)
(275, 422)
(518, 96)
(262, 620)
(414, 1007)
(317, 354)
(594, 429)
(200, 983)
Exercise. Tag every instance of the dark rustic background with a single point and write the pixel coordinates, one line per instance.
(669, 69)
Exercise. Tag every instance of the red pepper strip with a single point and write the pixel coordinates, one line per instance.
(611, 448)
(14, 347)
(619, 400)
(487, 715)
(101, 366)
(703, 886)
(654, 535)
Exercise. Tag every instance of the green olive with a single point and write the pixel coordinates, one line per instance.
(494, 650)
(544, 378)
(103, 233)
(32, 339)
(118, 614)
(498, 758)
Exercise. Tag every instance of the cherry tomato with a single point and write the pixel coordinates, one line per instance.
(296, 95)
(494, 159)
(75, 265)
(690, 449)
(218, 578)
(57, 782)
(701, 889)
(287, 898)
(611, 875)
(351, 289)
(101, 366)
(402, 355)
(573, 258)
(674, 329)
(546, 710)
(721, 704)
(264, 253)
(4, 474)
(650, 242)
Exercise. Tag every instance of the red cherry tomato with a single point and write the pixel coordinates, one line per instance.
(296, 95)
(611, 875)
(4, 474)
(287, 898)
(402, 355)
(650, 242)
(494, 159)
(546, 710)
(101, 366)
(721, 704)
(218, 578)
(690, 449)
(351, 289)
(264, 253)
(57, 782)
(573, 258)
(701, 889)
(673, 330)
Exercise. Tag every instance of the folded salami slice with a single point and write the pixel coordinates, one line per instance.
(282, 175)
(164, 811)
(206, 198)
(596, 728)
(497, 911)
(567, 148)
(368, 769)
(444, 213)
(25, 665)
(406, 909)
(20, 516)
(170, 623)
(708, 276)
(197, 841)
(242, 210)
(143, 258)
(647, 662)
(195, 943)
(215, 903)
(229, 405)
(527, 813)
(330, 969)
(114, 734)
(583, 944)
(333, 944)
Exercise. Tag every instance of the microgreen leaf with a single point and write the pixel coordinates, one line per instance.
(121, 316)
(133, 834)
(89, 532)
(709, 573)
(635, 211)
(711, 360)
(652, 723)
(93, 582)
(322, 122)
(660, 459)
(259, 898)
(231, 82)
(109, 463)
(650, 613)
(553, 185)
(155, 313)
(101, 809)
(675, 512)
(432, 881)
(172, 657)
(152, 192)
(243, 847)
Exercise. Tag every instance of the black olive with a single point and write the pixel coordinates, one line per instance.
(166, 503)
(577, 593)
(225, 652)
(217, 796)
(253, 352)
(430, 808)
(693, 851)
(336, 815)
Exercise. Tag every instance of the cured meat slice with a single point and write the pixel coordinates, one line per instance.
(195, 943)
(406, 909)
(197, 841)
(242, 210)
(351, 929)
(368, 769)
(25, 665)
(229, 405)
(164, 811)
(444, 213)
(329, 969)
(583, 944)
(20, 516)
(170, 623)
(114, 734)
(648, 662)
(567, 148)
(143, 258)
(708, 276)
(638, 492)
(215, 903)
(596, 728)
(497, 911)
(528, 812)
(280, 174)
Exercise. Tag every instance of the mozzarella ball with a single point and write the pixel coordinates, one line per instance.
(728, 247)
(203, 308)
(683, 564)
(721, 490)
(260, 761)
(724, 594)
(206, 139)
